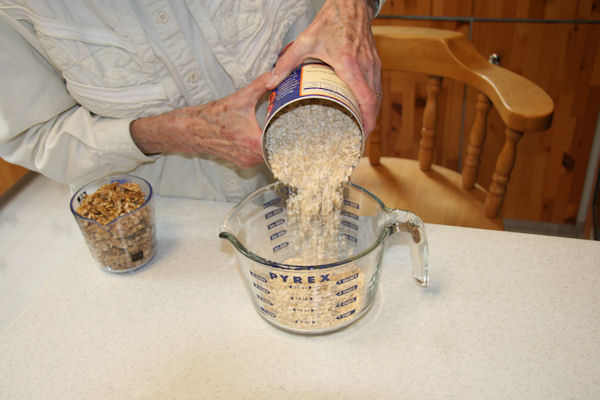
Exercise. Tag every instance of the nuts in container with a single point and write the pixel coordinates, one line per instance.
(116, 216)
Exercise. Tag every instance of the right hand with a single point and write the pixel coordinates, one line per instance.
(341, 36)
(226, 127)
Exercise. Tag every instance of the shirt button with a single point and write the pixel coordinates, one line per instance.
(163, 17)
(193, 76)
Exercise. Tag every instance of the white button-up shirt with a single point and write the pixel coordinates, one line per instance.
(75, 75)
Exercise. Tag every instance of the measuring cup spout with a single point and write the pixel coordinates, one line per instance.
(228, 231)
(232, 229)
(408, 222)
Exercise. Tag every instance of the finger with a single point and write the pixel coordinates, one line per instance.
(287, 62)
(372, 109)
(256, 88)
(364, 90)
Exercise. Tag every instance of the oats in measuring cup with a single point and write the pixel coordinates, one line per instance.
(316, 299)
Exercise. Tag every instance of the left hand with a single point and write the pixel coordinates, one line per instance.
(341, 36)
(225, 127)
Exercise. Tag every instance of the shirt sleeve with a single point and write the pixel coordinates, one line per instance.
(41, 126)
(378, 5)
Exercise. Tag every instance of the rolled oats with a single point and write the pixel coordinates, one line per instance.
(313, 147)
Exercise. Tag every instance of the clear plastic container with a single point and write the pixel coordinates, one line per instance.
(126, 243)
(314, 299)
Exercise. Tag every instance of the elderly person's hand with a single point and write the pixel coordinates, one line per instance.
(340, 35)
(225, 127)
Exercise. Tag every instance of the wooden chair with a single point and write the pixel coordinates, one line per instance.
(437, 194)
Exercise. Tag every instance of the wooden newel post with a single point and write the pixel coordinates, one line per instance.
(500, 178)
(476, 138)
(429, 120)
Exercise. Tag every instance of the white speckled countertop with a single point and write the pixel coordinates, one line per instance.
(507, 316)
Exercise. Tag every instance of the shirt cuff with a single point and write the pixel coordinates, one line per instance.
(114, 138)
(377, 4)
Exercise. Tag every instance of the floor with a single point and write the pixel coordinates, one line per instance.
(37, 233)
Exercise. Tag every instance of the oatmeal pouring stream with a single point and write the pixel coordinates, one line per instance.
(313, 147)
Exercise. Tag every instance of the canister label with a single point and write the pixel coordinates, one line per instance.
(313, 79)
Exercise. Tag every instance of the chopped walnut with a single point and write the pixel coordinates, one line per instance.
(111, 201)
(127, 243)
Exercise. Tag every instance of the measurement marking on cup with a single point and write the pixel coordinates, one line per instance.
(278, 234)
(303, 310)
(347, 279)
(273, 213)
(269, 313)
(275, 224)
(81, 197)
(272, 202)
(298, 321)
(258, 296)
(301, 298)
(346, 314)
(280, 246)
(349, 238)
(352, 204)
(260, 278)
(262, 289)
(349, 214)
(347, 290)
(346, 302)
(350, 225)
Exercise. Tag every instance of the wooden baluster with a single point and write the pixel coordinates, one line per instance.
(429, 120)
(476, 138)
(383, 122)
(500, 178)
(374, 145)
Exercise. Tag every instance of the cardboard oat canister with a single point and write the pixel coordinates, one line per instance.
(314, 79)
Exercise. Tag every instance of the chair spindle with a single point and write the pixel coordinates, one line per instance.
(476, 139)
(374, 144)
(500, 178)
(429, 121)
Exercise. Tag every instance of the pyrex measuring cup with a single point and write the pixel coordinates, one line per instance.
(318, 298)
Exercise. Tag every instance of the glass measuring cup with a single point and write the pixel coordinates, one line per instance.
(126, 243)
(313, 299)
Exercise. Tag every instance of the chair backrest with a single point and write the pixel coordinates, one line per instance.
(522, 105)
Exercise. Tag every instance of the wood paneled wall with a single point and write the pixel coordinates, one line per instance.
(507, 9)
(553, 43)
(9, 175)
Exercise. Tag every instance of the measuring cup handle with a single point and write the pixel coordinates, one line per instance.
(416, 240)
